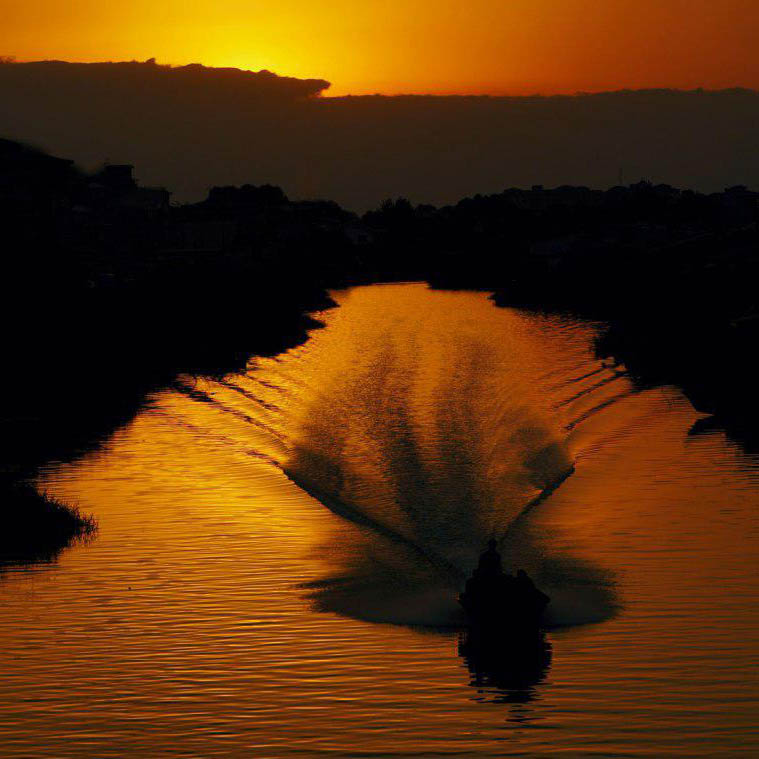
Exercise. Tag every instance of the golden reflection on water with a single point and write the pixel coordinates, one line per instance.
(224, 611)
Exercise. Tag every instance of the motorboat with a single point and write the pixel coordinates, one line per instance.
(503, 603)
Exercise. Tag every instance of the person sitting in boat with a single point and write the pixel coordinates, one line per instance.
(500, 601)
(527, 593)
(489, 577)
(524, 581)
(490, 562)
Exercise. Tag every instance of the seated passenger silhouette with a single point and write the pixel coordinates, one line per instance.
(500, 603)
(528, 594)
(490, 562)
(524, 581)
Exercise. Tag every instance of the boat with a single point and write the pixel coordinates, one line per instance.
(500, 603)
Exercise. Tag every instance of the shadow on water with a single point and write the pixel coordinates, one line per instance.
(742, 430)
(384, 577)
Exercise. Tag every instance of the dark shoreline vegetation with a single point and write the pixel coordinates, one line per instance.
(36, 528)
(110, 292)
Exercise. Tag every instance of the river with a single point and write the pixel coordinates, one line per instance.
(279, 554)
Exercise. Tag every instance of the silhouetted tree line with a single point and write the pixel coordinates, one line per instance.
(110, 290)
(488, 240)
(672, 273)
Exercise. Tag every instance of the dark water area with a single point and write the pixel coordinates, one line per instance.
(280, 549)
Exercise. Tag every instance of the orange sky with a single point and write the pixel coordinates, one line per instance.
(391, 46)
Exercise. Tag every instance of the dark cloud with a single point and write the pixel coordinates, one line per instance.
(111, 80)
(192, 127)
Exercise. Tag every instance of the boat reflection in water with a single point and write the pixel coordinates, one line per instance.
(505, 669)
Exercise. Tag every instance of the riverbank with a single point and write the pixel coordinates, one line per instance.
(684, 315)
(113, 292)
(671, 273)
(36, 527)
(72, 384)
(104, 312)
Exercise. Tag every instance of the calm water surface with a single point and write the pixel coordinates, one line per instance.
(279, 554)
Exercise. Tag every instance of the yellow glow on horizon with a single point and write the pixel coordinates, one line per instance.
(523, 46)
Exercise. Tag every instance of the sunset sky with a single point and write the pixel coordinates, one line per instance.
(393, 46)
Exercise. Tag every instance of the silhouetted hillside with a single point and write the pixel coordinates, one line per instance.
(193, 127)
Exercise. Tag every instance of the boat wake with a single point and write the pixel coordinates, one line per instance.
(429, 435)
